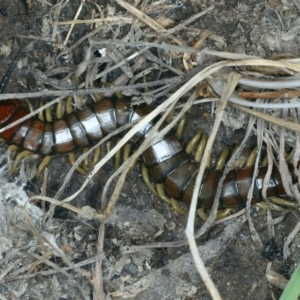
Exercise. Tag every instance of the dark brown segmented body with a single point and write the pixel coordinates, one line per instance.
(167, 159)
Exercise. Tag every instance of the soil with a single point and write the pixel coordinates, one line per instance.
(236, 264)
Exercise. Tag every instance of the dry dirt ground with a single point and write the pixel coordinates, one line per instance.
(34, 253)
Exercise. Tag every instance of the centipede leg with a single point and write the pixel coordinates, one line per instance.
(181, 123)
(278, 201)
(11, 149)
(200, 149)
(222, 159)
(42, 165)
(170, 116)
(69, 106)
(29, 105)
(59, 109)
(85, 162)
(286, 203)
(41, 113)
(180, 127)
(18, 159)
(171, 201)
(242, 159)
(96, 157)
(263, 205)
(72, 160)
(126, 152)
(117, 156)
(193, 142)
(265, 161)
(220, 214)
(251, 159)
(145, 174)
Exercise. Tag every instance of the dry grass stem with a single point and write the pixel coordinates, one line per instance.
(53, 271)
(79, 211)
(115, 20)
(290, 238)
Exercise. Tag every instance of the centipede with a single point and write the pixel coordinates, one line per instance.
(170, 165)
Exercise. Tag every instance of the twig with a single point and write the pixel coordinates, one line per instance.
(51, 272)
(190, 20)
(270, 95)
(121, 20)
(276, 121)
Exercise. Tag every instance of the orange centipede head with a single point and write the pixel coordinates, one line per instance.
(7, 109)
(10, 111)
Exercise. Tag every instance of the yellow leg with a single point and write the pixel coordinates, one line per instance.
(96, 157)
(286, 203)
(278, 201)
(29, 105)
(41, 113)
(59, 109)
(72, 160)
(263, 205)
(220, 215)
(118, 94)
(19, 157)
(171, 201)
(80, 101)
(177, 208)
(133, 164)
(170, 116)
(201, 147)
(252, 157)
(108, 145)
(69, 105)
(193, 142)
(288, 156)
(85, 162)
(12, 148)
(287, 159)
(180, 126)
(159, 192)
(48, 114)
(222, 159)
(181, 122)
(265, 161)
(10, 151)
(145, 174)
(242, 158)
(42, 166)
(98, 97)
(126, 152)
(117, 156)
(202, 214)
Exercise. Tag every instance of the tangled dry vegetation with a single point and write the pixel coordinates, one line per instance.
(159, 51)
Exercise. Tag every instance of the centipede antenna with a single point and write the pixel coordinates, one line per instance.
(6, 77)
